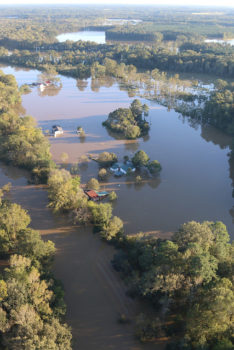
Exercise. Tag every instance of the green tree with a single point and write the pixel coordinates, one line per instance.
(101, 214)
(64, 190)
(154, 167)
(102, 174)
(112, 228)
(211, 317)
(136, 108)
(140, 159)
(93, 184)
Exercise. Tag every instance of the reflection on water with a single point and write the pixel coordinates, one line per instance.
(97, 37)
(196, 180)
(220, 41)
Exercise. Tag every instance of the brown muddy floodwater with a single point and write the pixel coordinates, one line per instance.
(94, 293)
(195, 184)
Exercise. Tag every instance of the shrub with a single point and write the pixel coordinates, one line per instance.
(114, 226)
(112, 196)
(102, 174)
(93, 184)
(107, 159)
(154, 167)
(140, 159)
(138, 179)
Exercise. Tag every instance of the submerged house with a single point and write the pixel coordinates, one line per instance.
(57, 130)
(95, 195)
(120, 169)
(42, 87)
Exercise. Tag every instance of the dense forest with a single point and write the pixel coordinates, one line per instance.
(188, 279)
(213, 59)
(31, 300)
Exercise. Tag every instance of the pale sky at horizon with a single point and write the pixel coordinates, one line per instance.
(211, 3)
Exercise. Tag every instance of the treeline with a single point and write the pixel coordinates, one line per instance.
(22, 144)
(44, 23)
(31, 300)
(140, 32)
(209, 59)
(219, 107)
(216, 108)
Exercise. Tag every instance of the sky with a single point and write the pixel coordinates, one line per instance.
(226, 3)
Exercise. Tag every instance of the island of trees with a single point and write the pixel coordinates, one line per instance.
(130, 122)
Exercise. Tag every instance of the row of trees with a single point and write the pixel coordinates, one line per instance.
(215, 108)
(31, 300)
(209, 58)
(21, 142)
(65, 195)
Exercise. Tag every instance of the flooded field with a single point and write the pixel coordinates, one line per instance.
(195, 184)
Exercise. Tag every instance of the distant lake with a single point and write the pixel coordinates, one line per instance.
(220, 41)
(88, 35)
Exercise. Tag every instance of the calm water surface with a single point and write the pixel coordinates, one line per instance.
(195, 182)
(94, 292)
(97, 37)
(219, 41)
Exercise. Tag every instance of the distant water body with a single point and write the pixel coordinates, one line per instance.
(220, 41)
(97, 37)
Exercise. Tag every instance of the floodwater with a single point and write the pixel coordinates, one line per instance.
(195, 184)
(220, 41)
(86, 35)
(94, 293)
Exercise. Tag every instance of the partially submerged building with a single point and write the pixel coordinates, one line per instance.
(120, 169)
(96, 195)
(57, 130)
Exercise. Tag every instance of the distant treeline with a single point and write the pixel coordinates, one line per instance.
(214, 59)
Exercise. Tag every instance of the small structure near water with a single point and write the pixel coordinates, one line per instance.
(57, 130)
(96, 195)
(42, 85)
(120, 169)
